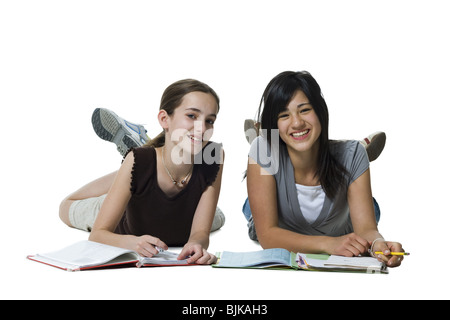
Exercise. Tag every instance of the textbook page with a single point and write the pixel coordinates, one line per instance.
(365, 262)
(262, 259)
(323, 262)
(162, 258)
(87, 253)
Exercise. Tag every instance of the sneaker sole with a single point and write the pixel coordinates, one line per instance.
(107, 126)
(376, 146)
(250, 130)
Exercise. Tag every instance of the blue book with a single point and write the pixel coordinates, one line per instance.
(283, 259)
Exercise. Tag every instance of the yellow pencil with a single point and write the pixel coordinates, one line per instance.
(394, 253)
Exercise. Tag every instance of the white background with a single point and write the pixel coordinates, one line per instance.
(382, 65)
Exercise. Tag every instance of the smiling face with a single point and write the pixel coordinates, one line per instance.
(191, 125)
(299, 125)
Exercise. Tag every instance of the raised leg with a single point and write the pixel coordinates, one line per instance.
(93, 189)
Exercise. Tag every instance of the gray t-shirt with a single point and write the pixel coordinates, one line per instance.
(334, 218)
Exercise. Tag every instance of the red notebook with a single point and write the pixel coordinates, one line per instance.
(85, 255)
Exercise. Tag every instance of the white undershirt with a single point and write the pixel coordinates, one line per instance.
(311, 200)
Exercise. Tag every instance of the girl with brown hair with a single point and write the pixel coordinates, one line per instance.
(165, 192)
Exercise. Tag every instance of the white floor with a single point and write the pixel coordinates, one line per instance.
(381, 67)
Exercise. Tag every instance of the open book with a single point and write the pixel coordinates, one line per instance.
(86, 255)
(281, 258)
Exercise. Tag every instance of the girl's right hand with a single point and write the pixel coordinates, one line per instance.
(349, 245)
(145, 245)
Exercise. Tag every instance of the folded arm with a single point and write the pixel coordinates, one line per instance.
(262, 193)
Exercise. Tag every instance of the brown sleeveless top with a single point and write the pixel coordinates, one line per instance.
(151, 212)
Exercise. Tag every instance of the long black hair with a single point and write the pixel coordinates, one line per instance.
(277, 95)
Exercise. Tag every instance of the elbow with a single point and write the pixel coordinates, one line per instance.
(267, 244)
(92, 237)
(266, 239)
(99, 237)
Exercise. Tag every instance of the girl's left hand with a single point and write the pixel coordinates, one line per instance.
(387, 247)
(196, 254)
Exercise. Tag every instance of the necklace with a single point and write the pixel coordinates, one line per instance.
(183, 181)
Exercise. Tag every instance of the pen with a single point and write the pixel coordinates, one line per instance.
(160, 250)
(394, 253)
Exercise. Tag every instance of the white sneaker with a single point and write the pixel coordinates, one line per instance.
(374, 144)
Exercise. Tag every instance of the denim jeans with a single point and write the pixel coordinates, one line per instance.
(248, 213)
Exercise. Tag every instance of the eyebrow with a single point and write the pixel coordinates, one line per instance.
(298, 106)
(199, 111)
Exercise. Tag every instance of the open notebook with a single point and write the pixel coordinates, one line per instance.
(281, 258)
(86, 255)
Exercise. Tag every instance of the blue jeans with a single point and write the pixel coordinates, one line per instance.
(248, 213)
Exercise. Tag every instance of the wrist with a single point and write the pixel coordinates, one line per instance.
(199, 240)
(372, 250)
(327, 244)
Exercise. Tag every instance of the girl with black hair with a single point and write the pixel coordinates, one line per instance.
(307, 193)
